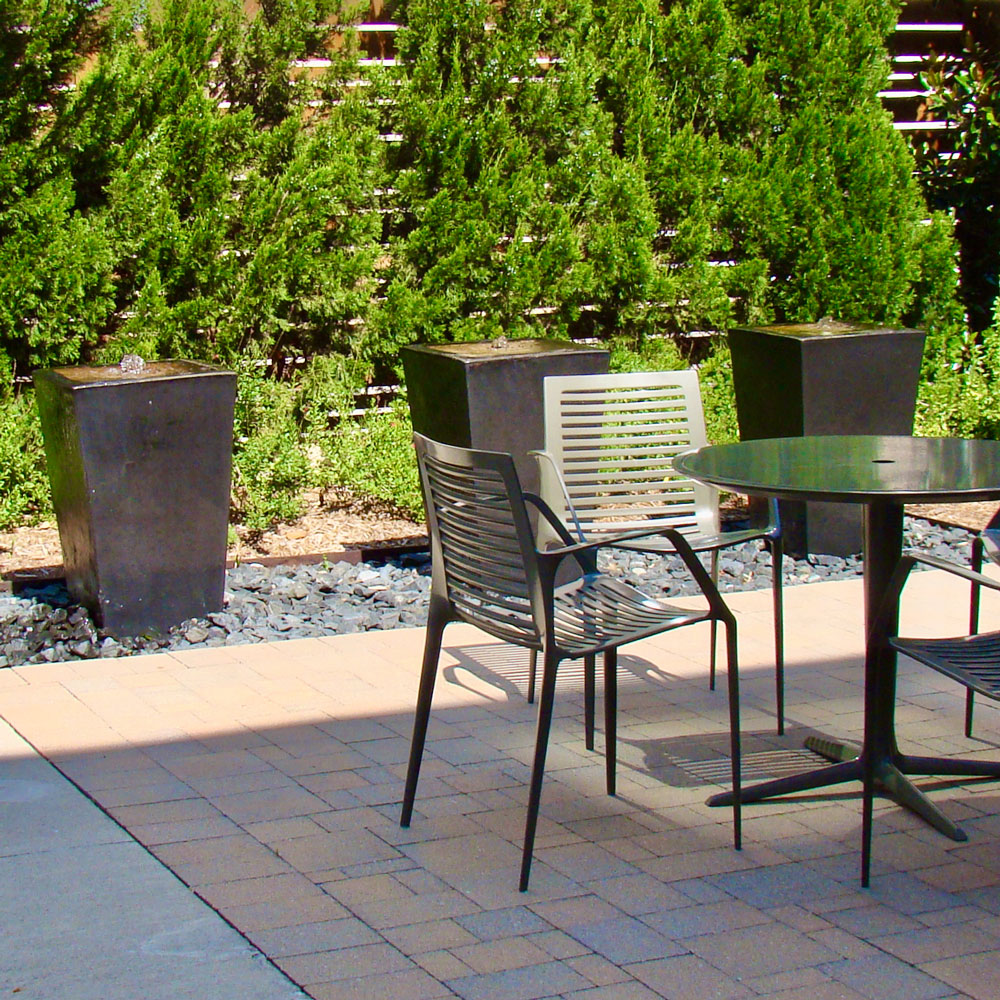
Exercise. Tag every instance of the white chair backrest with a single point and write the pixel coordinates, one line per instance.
(614, 439)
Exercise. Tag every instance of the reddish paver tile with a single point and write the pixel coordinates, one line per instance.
(270, 777)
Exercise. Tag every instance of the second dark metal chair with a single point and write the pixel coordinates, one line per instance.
(973, 661)
(986, 543)
(487, 571)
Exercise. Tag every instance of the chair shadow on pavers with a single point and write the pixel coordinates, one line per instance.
(703, 760)
(503, 667)
(506, 668)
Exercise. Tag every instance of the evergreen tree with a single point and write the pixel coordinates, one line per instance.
(782, 191)
(54, 262)
(239, 218)
(514, 213)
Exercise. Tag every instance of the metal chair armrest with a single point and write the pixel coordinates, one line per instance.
(572, 547)
(579, 551)
(989, 539)
(604, 542)
(546, 459)
(555, 522)
(956, 569)
(909, 559)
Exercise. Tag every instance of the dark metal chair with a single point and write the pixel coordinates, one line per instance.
(487, 571)
(610, 441)
(986, 543)
(973, 661)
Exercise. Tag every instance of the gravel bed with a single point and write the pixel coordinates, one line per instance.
(264, 604)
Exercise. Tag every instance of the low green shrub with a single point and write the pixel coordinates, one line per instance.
(24, 485)
(297, 433)
(374, 457)
(960, 396)
(271, 470)
(648, 354)
(715, 376)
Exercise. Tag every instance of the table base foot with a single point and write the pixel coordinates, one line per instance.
(948, 767)
(835, 750)
(835, 774)
(890, 780)
(890, 776)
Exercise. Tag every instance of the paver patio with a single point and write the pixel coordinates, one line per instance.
(268, 779)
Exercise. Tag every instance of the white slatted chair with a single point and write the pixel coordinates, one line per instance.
(607, 467)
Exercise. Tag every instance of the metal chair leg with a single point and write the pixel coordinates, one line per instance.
(714, 573)
(867, 802)
(549, 666)
(735, 751)
(610, 717)
(532, 664)
(777, 556)
(437, 618)
(977, 565)
(589, 684)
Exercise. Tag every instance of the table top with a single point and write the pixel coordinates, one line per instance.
(852, 469)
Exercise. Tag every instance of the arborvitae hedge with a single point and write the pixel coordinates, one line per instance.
(618, 167)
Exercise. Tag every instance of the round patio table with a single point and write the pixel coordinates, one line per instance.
(882, 474)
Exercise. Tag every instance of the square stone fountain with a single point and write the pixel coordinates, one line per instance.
(488, 394)
(139, 459)
(828, 377)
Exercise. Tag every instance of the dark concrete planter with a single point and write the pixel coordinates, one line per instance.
(824, 378)
(140, 469)
(480, 395)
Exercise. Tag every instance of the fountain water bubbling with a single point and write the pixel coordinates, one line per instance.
(132, 364)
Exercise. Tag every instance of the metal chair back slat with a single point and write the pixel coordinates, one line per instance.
(477, 545)
(614, 438)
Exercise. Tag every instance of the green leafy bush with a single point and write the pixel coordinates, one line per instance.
(24, 484)
(296, 433)
(54, 262)
(715, 377)
(513, 210)
(718, 397)
(781, 189)
(375, 457)
(959, 393)
(648, 354)
(271, 468)
(185, 198)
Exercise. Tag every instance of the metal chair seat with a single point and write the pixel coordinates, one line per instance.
(973, 661)
(487, 570)
(597, 612)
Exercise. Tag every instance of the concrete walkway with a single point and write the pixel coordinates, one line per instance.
(258, 787)
(90, 914)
